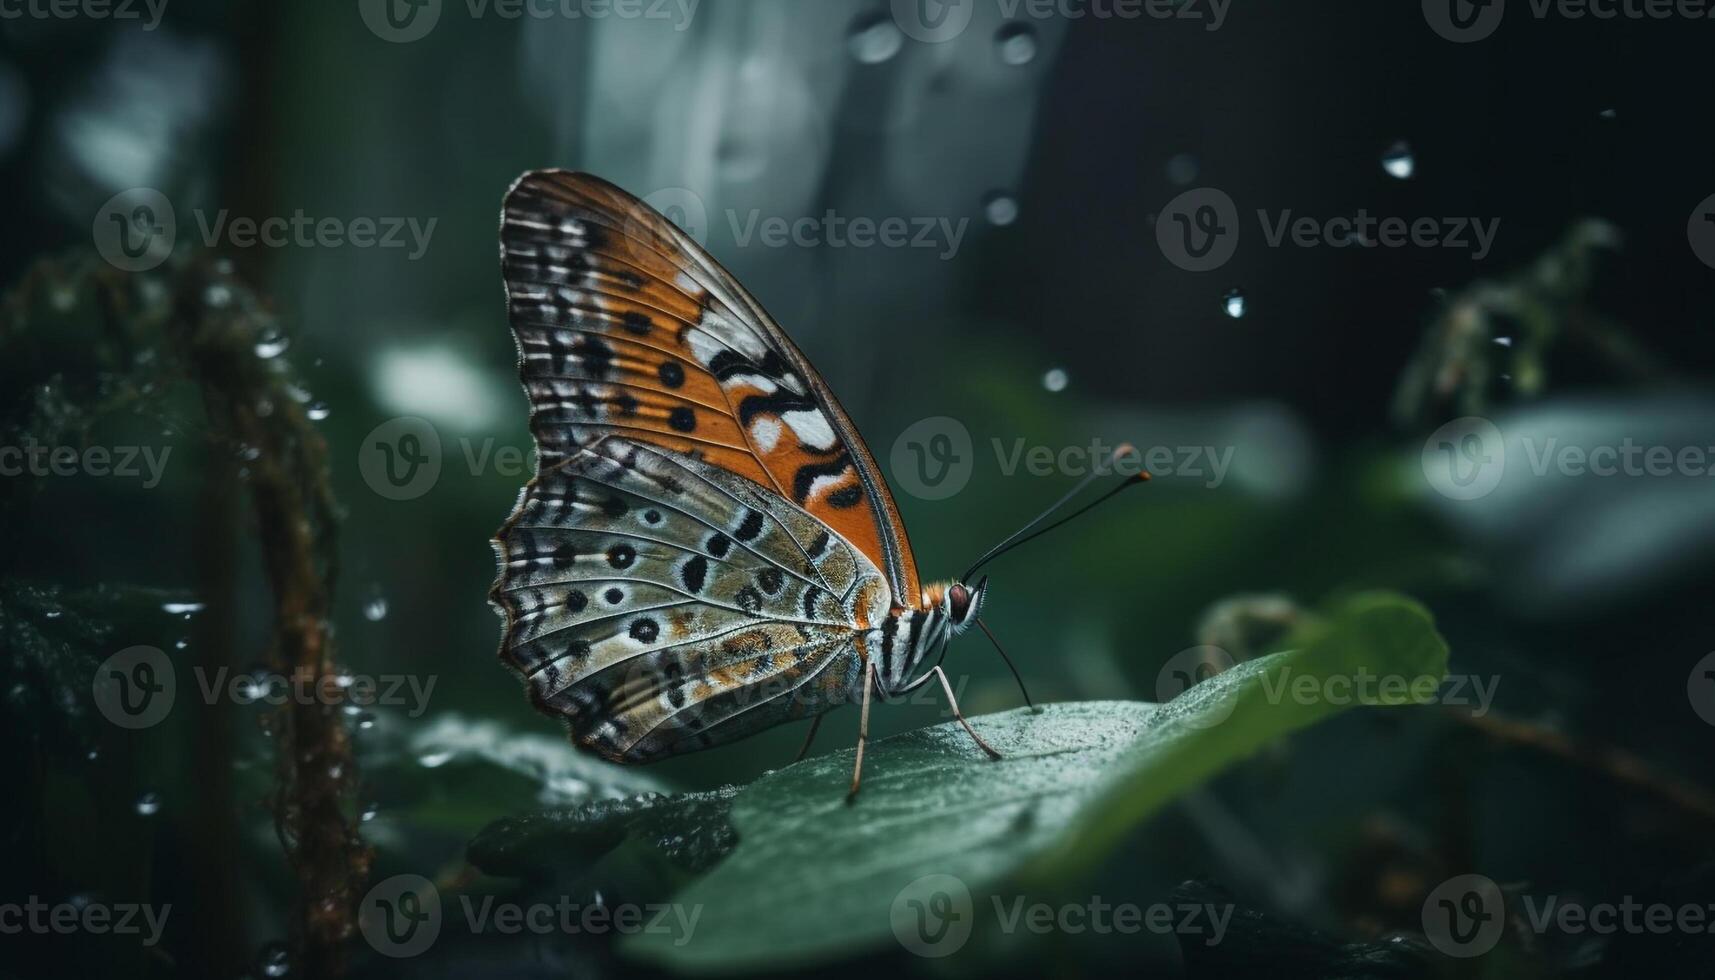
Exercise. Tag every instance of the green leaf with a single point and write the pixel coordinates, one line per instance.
(813, 878)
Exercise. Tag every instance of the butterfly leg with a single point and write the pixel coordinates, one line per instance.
(863, 732)
(954, 704)
(804, 749)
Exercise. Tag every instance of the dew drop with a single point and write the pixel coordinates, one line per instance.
(148, 804)
(272, 343)
(1055, 379)
(317, 411)
(1000, 208)
(368, 812)
(1399, 162)
(874, 39)
(1016, 44)
(1234, 303)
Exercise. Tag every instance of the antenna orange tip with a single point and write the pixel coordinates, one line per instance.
(1143, 476)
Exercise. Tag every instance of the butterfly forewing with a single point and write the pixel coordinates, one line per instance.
(626, 326)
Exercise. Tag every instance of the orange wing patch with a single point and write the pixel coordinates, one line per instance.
(626, 326)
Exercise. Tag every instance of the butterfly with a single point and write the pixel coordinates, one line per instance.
(708, 548)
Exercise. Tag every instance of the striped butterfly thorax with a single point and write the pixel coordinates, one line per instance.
(707, 548)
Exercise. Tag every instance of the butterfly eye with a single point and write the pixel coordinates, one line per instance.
(960, 598)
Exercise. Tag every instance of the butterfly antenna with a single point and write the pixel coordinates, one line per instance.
(1015, 676)
(1028, 532)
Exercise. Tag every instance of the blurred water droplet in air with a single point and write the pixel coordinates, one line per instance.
(1399, 161)
(1234, 303)
(1608, 114)
(217, 296)
(368, 813)
(435, 760)
(1503, 341)
(1182, 169)
(185, 609)
(365, 721)
(874, 39)
(272, 343)
(148, 804)
(1016, 44)
(317, 411)
(1000, 208)
(276, 960)
(375, 607)
(1055, 379)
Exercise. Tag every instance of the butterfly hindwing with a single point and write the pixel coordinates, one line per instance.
(627, 327)
(661, 604)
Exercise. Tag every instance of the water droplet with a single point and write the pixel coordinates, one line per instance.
(1016, 44)
(1182, 169)
(94, 755)
(276, 960)
(148, 804)
(62, 298)
(436, 759)
(368, 812)
(217, 296)
(181, 644)
(55, 613)
(365, 721)
(1000, 208)
(1055, 379)
(272, 343)
(874, 39)
(249, 454)
(317, 411)
(185, 609)
(1503, 341)
(1609, 114)
(1399, 161)
(1234, 303)
(375, 607)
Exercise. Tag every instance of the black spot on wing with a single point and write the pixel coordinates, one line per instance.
(750, 528)
(693, 573)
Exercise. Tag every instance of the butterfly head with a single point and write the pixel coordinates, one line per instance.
(958, 602)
